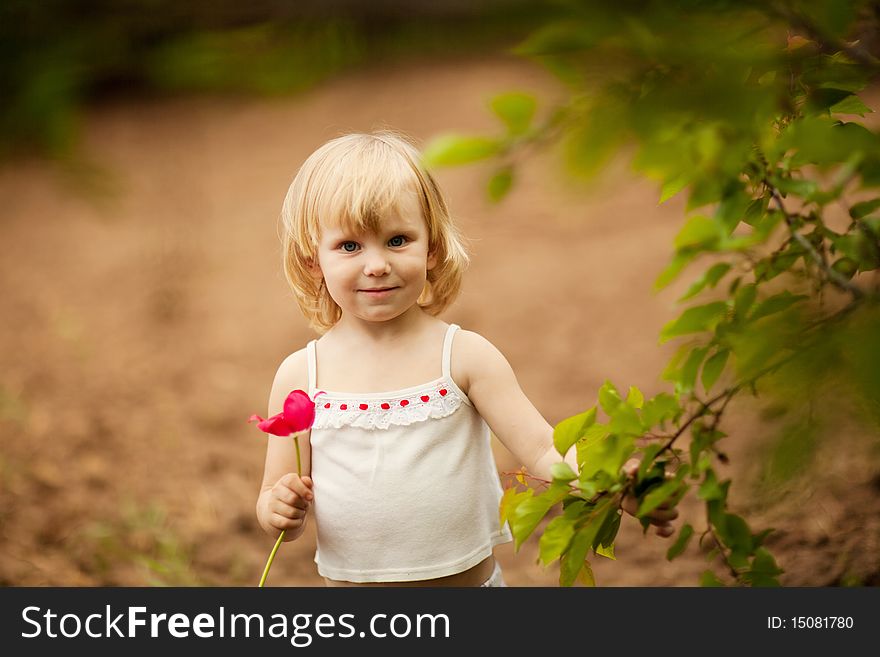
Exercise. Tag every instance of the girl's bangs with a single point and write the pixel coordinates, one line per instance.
(357, 199)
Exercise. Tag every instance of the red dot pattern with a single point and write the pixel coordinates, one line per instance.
(385, 406)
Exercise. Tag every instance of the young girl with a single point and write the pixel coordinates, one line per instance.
(398, 469)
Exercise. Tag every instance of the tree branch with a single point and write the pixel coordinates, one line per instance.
(834, 277)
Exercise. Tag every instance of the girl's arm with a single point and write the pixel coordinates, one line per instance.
(494, 390)
(492, 387)
(285, 496)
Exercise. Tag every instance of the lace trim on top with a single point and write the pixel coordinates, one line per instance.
(397, 408)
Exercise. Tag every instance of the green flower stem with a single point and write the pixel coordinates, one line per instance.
(283, 531)
(272, 557)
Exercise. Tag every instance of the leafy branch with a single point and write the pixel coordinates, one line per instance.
(740, 109)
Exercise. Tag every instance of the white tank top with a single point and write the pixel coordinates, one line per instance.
(406, 487)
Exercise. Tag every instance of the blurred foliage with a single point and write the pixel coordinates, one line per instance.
(753, 110)
(57, 55)
(141, 538)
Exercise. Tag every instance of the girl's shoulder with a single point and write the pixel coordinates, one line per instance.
(292, 374)
(295, 364)
(473, 356)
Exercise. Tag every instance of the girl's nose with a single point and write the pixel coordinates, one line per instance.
(377, 266)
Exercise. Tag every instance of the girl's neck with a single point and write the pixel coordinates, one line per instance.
(354, 330)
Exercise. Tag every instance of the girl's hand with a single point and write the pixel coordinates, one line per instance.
(661, 517)
(287, 504)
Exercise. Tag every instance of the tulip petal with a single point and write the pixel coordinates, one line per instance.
(276, 425)
(299, 411)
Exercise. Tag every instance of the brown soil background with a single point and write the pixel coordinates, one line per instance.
(145, 312)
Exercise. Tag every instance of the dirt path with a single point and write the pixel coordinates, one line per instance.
(143, 325)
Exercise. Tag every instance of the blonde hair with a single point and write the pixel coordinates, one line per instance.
(355, 180)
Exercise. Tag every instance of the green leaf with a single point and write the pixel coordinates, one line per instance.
(573, 559)
(714, 274)
(710, 489)
(699, 231)
(531, 511)
(704, 191)
(694, 320)
(764, 569)
(755, 211)
(657, 496)
(743, 299)
(606, 456)
(713, 368)
(657, 469)
(635, 398)
(845, 267)
(673, 269)
(659, 409)
(709, 579)
(572, 429)
(691, 367)
(768, 268)
(587, 447)
(672, 370)
(562, 472)
(586, 575)
(702, 439)
(516, 110)
(735, 533)
(872, 224)
(733, 209)
(555, 539)
(851, 105)
(597, 136)
(607, 552)
(603, 544)
(684, 537)
(864, 208)
(673, 186)
(500, 183)
(824, 141)
(510, 500)
(451, 150)
(609, 397)
(776, 303)
(559, 37)
(625, 420)
(859, 246)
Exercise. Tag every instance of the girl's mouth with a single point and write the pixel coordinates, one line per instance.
(378, 292)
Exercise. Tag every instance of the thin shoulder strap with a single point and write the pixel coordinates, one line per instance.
(447, 350)
(313, 367)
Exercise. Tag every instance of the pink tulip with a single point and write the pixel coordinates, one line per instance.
(298, 415)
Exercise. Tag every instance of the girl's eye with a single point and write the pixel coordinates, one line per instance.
(397, 240)
(349, 247)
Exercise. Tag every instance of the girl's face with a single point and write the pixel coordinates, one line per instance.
(377, 276)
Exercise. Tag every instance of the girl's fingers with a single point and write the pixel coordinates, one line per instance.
(291, 490)
(630, 504)
(631, 467)
(301, 488)
(665, 531)
(280, 522)
(662, 516)
(287, 510)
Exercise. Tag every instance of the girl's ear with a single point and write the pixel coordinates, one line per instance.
(314, 268)
(432, 259)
